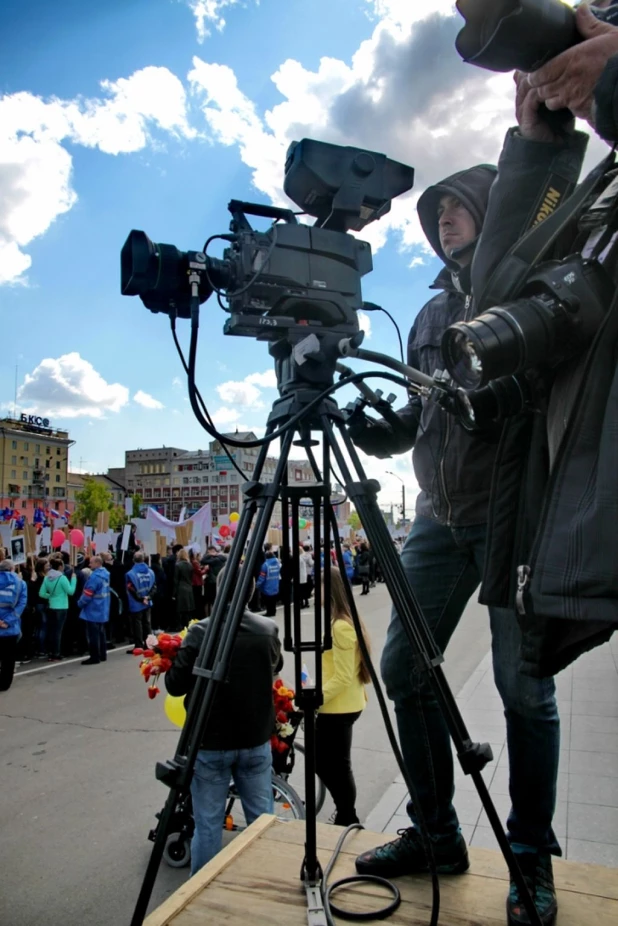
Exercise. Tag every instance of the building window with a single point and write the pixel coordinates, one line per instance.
(37, 448)
(26, 445)
(25, 475)
(57, 465)
(57, 478)
(14, 445)
(57, 451)
(24, 504)
(14, 460)
(13, 474)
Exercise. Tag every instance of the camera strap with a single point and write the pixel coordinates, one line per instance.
(514, 269)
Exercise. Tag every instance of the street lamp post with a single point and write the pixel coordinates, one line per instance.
(403, 494)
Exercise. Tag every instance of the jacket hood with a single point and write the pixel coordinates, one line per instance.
(472, 188)
(140, 567)
(54, 574)
(4, 579)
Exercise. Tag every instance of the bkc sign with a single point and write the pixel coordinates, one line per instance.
(35, 420)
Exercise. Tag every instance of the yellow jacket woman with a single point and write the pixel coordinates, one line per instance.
(344, 676)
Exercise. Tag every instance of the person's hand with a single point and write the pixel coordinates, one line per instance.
(532, 123)
(568, 81)
(3, 624)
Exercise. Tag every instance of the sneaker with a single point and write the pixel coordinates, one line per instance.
(539, 876)
(90, 662)
(406, 856)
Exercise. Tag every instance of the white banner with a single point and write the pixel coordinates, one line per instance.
(201, 523)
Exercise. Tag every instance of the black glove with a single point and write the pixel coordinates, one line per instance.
(367, 434)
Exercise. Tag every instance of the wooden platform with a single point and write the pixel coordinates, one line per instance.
(254, 881)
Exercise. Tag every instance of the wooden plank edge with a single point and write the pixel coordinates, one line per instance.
(182, 897)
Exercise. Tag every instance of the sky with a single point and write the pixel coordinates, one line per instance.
(153, 114)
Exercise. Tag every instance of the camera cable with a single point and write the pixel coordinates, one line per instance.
(374, 307)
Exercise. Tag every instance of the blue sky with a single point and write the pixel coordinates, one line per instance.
(154, 113)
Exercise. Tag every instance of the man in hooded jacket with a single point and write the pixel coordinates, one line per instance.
(443, 559)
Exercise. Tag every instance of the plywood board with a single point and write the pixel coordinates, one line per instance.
(257, 881)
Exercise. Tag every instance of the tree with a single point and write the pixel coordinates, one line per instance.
(138, 504)
(93, 498)
(117, 518)
(354, 521)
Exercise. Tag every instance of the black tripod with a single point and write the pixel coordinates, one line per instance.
(310, 412)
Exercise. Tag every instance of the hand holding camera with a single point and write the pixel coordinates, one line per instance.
(568, 81)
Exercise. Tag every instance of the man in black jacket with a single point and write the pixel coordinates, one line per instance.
(443, 559)
(236, 743)
(555, 481)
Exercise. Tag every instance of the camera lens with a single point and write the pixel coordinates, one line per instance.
(461, 358)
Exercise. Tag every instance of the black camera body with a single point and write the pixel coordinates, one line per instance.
(292, 275)
(292, 278)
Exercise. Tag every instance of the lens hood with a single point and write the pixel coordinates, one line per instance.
(508, 35)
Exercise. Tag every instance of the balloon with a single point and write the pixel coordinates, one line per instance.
(302, 523)
(76, 537)
(58, 538)
(234, 517)
(175, 710)
(224, 530)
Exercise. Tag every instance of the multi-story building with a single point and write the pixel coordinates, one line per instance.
(149, 474)
(171, 479)
(33, 465)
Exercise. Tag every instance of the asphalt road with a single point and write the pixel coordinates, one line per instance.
(77, 791)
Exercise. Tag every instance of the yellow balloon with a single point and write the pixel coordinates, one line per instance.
(234, 517)
(175, 710)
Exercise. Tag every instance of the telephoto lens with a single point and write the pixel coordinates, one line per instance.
(562, 308)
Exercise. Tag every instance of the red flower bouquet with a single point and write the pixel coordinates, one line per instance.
(287, 720)
(158, 658)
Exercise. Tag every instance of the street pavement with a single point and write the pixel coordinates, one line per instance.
(78, 795)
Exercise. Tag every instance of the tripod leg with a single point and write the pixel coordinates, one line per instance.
(472, 756)
(212, 664)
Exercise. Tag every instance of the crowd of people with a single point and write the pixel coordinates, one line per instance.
(61, 610)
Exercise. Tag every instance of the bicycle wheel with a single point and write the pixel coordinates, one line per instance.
(288, 805)
(298, 775)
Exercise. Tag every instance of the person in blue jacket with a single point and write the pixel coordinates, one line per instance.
(13, 600)
(94, 609)
(268, 583)
(348, 561)
(140, 584)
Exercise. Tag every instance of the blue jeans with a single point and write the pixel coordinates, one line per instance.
(444, 565)
(251, 771)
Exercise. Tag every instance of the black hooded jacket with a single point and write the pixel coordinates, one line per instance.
(452, 466)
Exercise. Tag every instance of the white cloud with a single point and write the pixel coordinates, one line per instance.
(70, 387)
(247, 393)
(209, 15)
(225, 415)
(267, 380)
(35, 165)
(365, 324)
(405, 86)
(240, 393)
(147, 401)
(177, 383)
